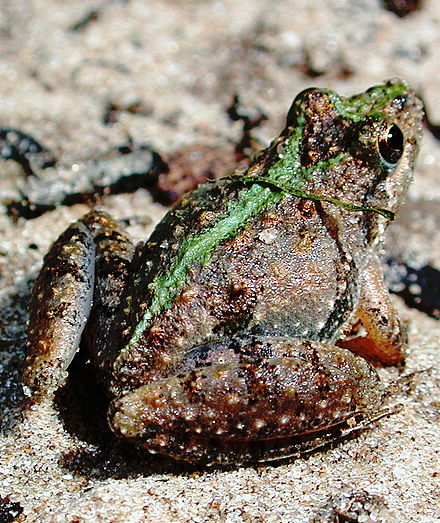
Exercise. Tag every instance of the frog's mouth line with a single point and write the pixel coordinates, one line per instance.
(310, 196)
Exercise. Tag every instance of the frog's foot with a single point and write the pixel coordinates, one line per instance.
(387, 337)
(272, 404)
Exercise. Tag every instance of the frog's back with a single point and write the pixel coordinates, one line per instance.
(276, 251)
(288, 272)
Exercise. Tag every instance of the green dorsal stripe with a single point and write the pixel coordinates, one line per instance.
(197, 249)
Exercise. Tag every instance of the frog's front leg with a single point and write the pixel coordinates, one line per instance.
(386, 337)
(255, 406)
(88, 263)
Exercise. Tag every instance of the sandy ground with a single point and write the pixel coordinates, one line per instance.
(62, 65)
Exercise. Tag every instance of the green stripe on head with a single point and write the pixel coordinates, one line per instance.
(370, 103)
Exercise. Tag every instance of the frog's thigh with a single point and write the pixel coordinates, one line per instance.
(61, 301)
(306, 387)
(386, 337)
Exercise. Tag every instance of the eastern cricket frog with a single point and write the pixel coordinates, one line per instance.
(228, 336)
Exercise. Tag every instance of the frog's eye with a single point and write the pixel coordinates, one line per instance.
(391, 144)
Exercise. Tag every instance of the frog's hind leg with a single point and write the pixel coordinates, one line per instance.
(270, 393)
(89, 262)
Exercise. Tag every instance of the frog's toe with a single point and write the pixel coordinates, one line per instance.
(198, 413)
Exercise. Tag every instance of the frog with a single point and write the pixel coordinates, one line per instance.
(248, 327)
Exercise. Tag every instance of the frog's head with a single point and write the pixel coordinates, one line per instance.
(360, 149)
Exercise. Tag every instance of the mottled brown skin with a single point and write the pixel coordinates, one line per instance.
(246, 397)
(242, 364)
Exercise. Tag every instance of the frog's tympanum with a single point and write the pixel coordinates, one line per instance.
(229, 335)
